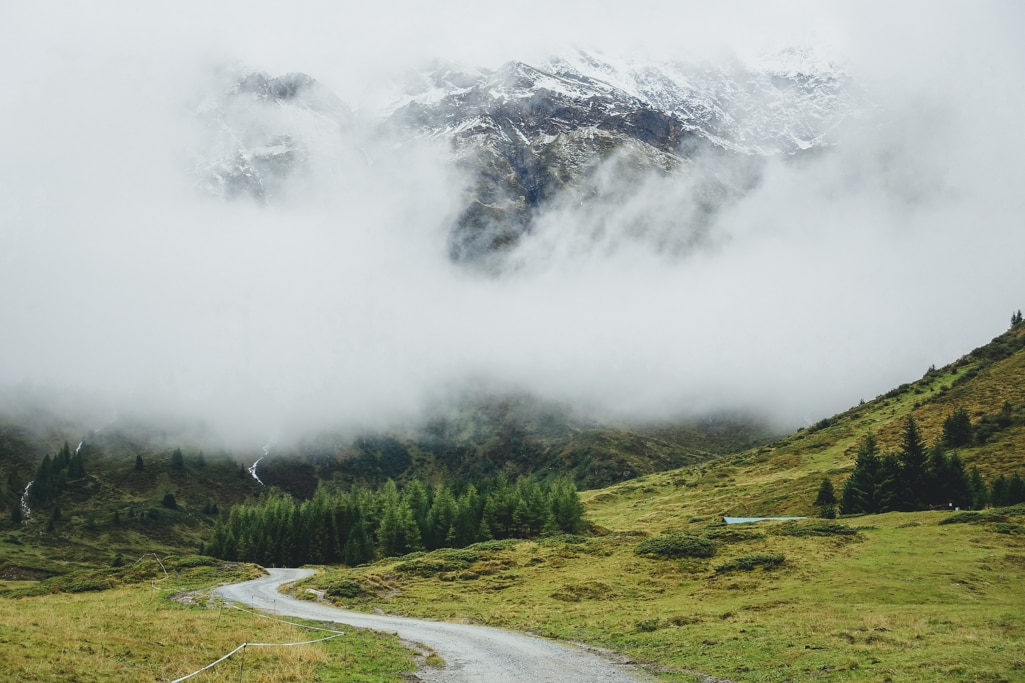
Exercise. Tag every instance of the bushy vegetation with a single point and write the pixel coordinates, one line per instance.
(816, 528)
(675, 546)
(751, 562)
(359, 525)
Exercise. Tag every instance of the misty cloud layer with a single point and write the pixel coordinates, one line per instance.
(836, 278)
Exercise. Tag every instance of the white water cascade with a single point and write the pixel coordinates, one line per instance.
(252, 468)
(26, 512)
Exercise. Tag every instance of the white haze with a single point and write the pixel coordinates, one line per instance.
(124, 287)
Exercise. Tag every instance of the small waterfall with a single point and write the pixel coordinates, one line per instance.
(252, 468)
(26, 512)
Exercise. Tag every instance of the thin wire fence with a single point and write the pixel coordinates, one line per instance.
(243, 646)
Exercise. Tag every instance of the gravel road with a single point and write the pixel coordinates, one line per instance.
(472, 654)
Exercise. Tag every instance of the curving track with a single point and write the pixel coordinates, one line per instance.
(472, 654)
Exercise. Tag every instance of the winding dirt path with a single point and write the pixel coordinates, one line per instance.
(472, 654)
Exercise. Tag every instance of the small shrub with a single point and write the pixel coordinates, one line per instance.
(447, 560)
(196, 561)
(751, 562)
(732, 533)
(85, 585)
(346, 588)
(504, 544)
(457, 555)
(675, 546)
(817, 528)
(1009, 528)
(588, 590)
(649, 625)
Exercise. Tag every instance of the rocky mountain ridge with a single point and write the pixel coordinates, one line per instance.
(575, 130)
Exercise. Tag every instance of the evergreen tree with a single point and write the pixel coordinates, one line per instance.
(977, 488)
(138, 463)
(912, 488)
(398, 533)
(826, 494)
(998, 492)
(957, 429)
(44, 484)
(177, 460)
(567, 510)
(958, 486)
(441, 518)
(468, 518)
(936, 487)
(1015, 490)
(825, 501)
(169, 501)
(860, 493)
(63, 458)
(358, 548)
(16, 514)
(890, 491)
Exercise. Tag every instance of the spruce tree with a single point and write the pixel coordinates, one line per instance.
(1015, 490)
(177, 460)
(567, 510)
(860, 493)
(890, 491)
(978, 489)
(998, 492)
(957, 429)
(912, 491)
(825, 501)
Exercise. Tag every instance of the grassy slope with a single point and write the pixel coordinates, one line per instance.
(896, 602)
(904, 599)
(134, 632)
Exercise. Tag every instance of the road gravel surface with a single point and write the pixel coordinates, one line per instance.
(472, 654)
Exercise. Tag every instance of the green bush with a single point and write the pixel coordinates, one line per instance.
(196, 561)
(346, 588)
(649, 625)
(751, 562)
(817, 528)
(676, 546)
(1009, 528)
(85, 585)
(985, 516)
(441, 561)
(503, 544)
(456, 555)
(734, 533)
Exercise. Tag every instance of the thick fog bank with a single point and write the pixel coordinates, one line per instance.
(126, 283)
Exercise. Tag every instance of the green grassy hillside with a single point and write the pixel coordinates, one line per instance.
(920, 596)
(902, 596)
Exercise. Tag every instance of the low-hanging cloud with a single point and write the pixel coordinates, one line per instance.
(832, 279)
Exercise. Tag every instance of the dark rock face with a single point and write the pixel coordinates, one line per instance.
(261, 133)
(574, 131)
(527, 135)
(278, 89)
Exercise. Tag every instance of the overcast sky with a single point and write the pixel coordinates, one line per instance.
(122, 285)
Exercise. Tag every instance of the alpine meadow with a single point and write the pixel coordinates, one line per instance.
(575, 342)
